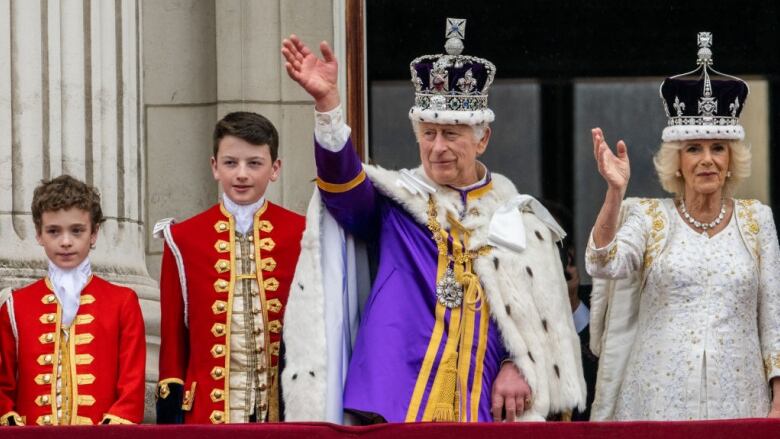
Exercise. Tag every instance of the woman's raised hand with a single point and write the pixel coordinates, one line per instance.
(615, 169)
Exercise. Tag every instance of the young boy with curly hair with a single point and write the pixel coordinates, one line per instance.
(72, 345)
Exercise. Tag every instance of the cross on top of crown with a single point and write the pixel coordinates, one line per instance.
(705, 54)
(705, 39)
(456, 28)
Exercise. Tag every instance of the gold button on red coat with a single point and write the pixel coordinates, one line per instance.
(218, 329)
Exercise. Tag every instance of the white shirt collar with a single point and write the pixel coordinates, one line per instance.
(479, 183)
(243, 214)
(67, 287)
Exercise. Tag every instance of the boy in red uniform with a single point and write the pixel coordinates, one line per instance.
(72, 345)
(225, 278)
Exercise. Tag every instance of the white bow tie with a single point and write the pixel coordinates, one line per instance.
(506, 226)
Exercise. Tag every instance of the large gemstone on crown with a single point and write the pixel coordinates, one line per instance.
(439, 103)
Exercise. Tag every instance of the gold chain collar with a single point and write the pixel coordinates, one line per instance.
(441, 241)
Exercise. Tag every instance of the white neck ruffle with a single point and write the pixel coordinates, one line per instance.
(243, 214)
(67, 287)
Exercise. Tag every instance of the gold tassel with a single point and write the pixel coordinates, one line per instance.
(444, 390)
(443, 413)
(446, 398)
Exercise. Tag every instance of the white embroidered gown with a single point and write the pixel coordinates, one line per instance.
(708, 334)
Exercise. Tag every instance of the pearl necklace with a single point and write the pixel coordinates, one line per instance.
(700, 225)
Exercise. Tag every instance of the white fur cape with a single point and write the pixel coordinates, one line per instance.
(526, 292)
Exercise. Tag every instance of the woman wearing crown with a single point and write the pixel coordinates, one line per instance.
(690, 326)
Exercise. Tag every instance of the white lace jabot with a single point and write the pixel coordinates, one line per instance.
(67, 287)
(243, 214)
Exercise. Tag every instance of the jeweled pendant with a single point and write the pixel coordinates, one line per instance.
(448, 291)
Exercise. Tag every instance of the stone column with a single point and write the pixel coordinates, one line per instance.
(70, 102)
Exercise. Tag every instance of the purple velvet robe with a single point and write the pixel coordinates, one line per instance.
(388, 374)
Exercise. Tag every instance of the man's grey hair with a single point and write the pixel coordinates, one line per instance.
(478, 129)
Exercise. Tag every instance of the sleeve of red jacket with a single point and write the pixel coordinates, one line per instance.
(7, 369)
(173, 342)
(130, 388)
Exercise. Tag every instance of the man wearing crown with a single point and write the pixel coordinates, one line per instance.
(467, 317)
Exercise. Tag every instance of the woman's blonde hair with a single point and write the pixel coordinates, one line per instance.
(667, 163)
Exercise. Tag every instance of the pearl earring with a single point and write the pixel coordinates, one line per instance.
(728, 174)
(678, 173)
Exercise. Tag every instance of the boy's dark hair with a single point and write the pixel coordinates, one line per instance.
(250, 127)
(65, 192)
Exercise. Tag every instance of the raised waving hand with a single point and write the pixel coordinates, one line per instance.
(615, 169)
(318, 76)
